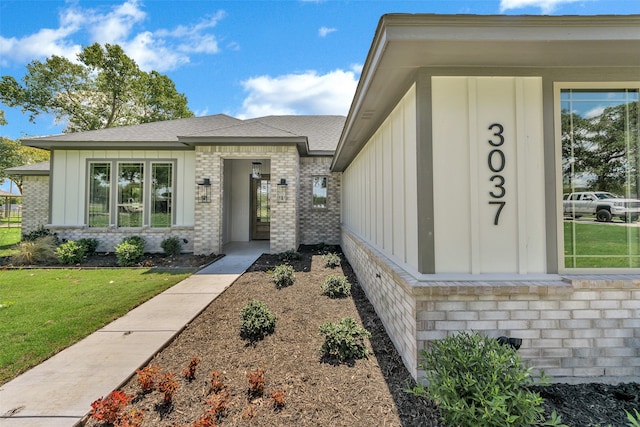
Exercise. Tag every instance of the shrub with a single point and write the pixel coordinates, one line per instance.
(479, 382)
(171, 246)
(130, 251)
(190, 372)
(256, 321)
(336, 287)
(216, 382)
(168, 385)
(278, 399)
(40, 250)
(344, 340)
(290, 255)
(109, 409)
(38, 233)
(90, 245)
(148, 377)
(283, 276)
(256, 382)
(70, 252)
(331, 260)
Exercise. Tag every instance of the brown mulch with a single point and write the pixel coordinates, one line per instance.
(366, 392)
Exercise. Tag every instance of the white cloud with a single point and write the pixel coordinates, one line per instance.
(161, 50)
(546, 6)
(305, 93)
(325, 31)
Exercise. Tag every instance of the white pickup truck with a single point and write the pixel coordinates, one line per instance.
(603, 205)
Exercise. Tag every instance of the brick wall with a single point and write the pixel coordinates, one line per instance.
(319, 225)
(35, 202)
(581, 329)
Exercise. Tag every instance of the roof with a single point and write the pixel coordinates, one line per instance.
(312, 134)
(404, 44)
(41, 168)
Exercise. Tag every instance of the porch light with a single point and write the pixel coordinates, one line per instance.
(204, 190)
(282, 191)
(513, 342)
(256, 171)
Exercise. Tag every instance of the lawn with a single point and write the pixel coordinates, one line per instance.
(42, 311)
(9, 237)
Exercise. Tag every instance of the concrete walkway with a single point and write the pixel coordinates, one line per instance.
(59, 392)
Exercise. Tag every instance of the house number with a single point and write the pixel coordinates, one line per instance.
(496, 161)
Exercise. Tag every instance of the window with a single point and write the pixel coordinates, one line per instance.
(319, 192)
(143, 192)
(600, 177)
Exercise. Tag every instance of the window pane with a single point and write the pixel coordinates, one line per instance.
(99, 194)
(319, 191)
(600, 157)
(161, 194)
(130, 194)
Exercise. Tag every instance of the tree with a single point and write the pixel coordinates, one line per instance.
(13, 153)
(104, 89)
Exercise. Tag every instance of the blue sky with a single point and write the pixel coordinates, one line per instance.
(242, 58)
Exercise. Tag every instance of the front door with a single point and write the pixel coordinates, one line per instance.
(260, 208)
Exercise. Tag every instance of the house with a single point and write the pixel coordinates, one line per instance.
(444, 184)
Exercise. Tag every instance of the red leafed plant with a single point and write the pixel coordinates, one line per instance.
(216, 382)
(168, 385)
(277, 397)
(256, 381)
(218, 403)
(130, 419)
(190, 372)
(110, 408)
(148, 377)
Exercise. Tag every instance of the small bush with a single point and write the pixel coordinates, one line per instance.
(331, 260)
(90, 245)
(38, 233)
(38, 251)
(336, 287)
(171, 246)
(70, 252)
(110, 408)
(190, 372)
(278, 399)
(290, 255)
(148, 377)
(216, 382)
(344, 340)
(256, 382)
(256, 321)
(168, 385)
(283, 276)
(130, 251)
(479, 382)
(135, 240)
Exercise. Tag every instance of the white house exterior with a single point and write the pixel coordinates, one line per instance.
(444, 188)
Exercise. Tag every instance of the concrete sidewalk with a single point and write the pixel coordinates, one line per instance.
(59, 392)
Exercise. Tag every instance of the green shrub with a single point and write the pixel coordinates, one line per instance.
(256, 321)
(344, 340)
(331, 260)
(130, 251)
(71, 252)
(290, 255)
(90, 245)
(38, 251)
(38, 233)
(283, 276)
(336, 287)
(479, 383)
(171, 246)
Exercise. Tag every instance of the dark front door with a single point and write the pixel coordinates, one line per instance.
(260, 208)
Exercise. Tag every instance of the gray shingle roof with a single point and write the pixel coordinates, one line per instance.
(41, 168)
(320, 132)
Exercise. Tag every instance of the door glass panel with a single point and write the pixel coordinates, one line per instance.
(600, 158)
(263, 201)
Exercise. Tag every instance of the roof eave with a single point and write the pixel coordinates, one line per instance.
(104, 145)
(301, 142)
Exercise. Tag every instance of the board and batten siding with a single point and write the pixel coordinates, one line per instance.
(380, 186)
(69, 182)
(488, 142)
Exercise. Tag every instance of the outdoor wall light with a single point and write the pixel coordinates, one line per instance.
(204, 190)
(282, 190)
(256, 170)
(513, 342)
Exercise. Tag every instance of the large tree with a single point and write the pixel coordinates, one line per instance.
(13, 153)
(105, 88)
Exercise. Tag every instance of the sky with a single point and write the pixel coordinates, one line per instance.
(241, 58)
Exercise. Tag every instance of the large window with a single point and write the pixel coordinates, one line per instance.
(319, 192)
(143, 192)
(600, 177)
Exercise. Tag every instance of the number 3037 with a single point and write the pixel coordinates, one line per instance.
(496, 161)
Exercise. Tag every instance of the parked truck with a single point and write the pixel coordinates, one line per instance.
(602, 204)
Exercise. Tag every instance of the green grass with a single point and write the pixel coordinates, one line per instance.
(9, 237)
(44, 311)
(596, 245)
